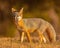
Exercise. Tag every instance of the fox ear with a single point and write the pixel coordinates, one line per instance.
(13, 9)
(21, 12)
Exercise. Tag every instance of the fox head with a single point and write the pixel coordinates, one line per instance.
(18, 15)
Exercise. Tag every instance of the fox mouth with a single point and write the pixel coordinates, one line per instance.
(19, 18)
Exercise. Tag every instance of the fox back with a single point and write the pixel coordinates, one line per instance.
(33, 24)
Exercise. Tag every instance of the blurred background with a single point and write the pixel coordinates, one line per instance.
(48, 10)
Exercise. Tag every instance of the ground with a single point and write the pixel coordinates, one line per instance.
(7, 42)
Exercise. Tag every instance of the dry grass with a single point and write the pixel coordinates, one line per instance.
(7, 42)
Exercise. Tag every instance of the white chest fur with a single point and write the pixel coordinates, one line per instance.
(19, 18)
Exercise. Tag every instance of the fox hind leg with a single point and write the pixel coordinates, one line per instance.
(42, 37)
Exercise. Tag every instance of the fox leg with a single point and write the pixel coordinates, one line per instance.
(39, 36)
(28, 36)
(22, 37)
(42, 37)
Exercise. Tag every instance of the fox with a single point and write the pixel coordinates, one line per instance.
(30, 25)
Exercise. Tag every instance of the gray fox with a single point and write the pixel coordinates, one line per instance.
(29, 25)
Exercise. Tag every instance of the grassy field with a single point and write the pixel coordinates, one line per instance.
(7, 42)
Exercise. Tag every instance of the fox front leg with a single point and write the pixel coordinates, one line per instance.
(29, 37)
(22, 37)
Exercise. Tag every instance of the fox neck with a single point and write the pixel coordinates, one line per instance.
(21, 23)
